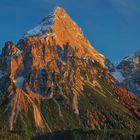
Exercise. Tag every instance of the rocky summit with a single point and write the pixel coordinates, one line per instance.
(54, 79)
(127, 72)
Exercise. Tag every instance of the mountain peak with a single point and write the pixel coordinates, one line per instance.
(46, 24)
(58, 8)
(59, 11)
(59, 26)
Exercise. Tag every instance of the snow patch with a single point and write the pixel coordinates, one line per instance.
(18, 52)
(45, 26)
(118, 76)
(127, 58)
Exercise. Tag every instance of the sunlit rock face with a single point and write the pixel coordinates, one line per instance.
(59, 26)
(54, 77)
(51, 58)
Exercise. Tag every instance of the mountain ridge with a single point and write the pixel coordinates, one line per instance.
(128, 71)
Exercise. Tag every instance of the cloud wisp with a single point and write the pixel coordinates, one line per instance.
(126, 7)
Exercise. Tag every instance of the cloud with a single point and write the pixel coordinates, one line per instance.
(126, 7)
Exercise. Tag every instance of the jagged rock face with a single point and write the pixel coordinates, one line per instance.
(47, 69)
(109, 65)
(54, 77)
(60, 26)
(129, 68)
(9, 58)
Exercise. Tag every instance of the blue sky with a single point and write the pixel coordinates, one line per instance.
(112, 26)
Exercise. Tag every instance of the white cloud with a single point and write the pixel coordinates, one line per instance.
(126, 7)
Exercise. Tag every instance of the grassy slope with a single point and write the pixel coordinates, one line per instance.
(109, 115)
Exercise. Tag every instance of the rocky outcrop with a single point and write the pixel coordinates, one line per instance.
(127, 73)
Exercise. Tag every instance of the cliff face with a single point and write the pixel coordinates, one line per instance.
(59, 26)
(54, 79)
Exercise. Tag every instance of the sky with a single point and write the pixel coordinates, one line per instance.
(112, 26)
